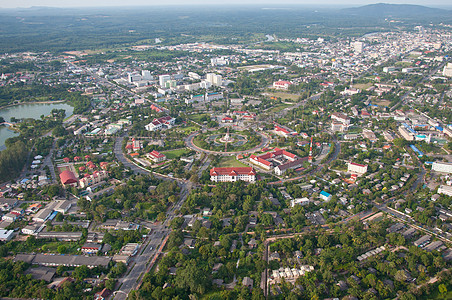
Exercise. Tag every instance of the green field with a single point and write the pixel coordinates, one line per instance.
(197, 117)
(189, 129)
(230, 161)
(278, 108)
(174, 154)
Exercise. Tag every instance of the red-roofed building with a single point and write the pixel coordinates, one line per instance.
(227, 120)
(66, 159)
(247, 174)
(156, 156)
(357, 169)
(68, 178)
(102, 295)
(282, 85)
(96, 177)
(160, 123)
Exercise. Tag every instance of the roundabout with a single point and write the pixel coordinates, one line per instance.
(229, 143)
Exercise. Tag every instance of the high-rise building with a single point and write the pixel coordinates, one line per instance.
(215, 79)
(358, 46)
(146, 75)
(134, 77)
(163, 79)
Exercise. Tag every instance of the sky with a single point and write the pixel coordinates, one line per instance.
(99, 3)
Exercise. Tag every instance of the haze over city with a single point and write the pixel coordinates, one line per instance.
(100, 3)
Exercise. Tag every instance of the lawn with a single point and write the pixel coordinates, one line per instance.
(230, 161)
(189, 129)
(285, 96)
(197, 117)
(175, 154)
(278, 108)
(362, 86)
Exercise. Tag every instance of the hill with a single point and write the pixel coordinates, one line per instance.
(396, 10)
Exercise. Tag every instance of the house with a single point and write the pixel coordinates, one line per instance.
(156, 156)
(282, 85)
(247, 174)
(30, 229)
(102, 295)
(248, 282)
(325, 196)
(91, 248)
(6, 235)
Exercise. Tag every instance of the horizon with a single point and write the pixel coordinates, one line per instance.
(28, 4)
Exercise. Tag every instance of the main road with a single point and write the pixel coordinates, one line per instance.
(142, 262)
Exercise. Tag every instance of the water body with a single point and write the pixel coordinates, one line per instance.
(31, 110)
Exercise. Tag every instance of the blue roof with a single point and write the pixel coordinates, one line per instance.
(323, 193)
(439, 128)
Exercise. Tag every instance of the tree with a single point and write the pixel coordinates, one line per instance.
(81, 272)
(442, 289)
(62, 249)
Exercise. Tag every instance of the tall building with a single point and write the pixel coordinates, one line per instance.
(447, 71)
(134, 77)
(163, 79)
(358, 46)
(215, 79)
(146, 75)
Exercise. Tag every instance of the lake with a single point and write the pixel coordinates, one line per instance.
(30, 110)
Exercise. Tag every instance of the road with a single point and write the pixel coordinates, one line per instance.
(189, 143)
(154, 242)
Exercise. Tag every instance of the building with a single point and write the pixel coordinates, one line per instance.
(445, 189)
(442, 167)
(290, 165)
(357, 169)
(62, 206)
(422, 241)
(102, 295)
(340, 117)
(214, 79)
(61, 236)
(160, 123)
(156, 156)
(299, 201)
(358, 46)
(63, 260)
(282, 85)
(163, 79)
(42, 215)
(406, 133)
(146, 75)
(91, 248)
(68, 178)
(96, 177)
(213, 96)
(447, 71)
(247, 174)
(325, 196)
(6, 235)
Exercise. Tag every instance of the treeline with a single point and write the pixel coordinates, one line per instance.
(12, 160)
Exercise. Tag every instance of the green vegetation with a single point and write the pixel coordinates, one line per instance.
(178, 153)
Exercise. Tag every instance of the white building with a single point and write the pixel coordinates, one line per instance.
(442, 167)
(6, 235)
(163, 79)
(358, 47)
(160, 123)
(445, 189)
(247, 174)
(357, 169)
(215, 79)
(282, 85)
(299, 201)
(447, 71)
(146, 75)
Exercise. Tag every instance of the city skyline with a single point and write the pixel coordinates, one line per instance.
(105, 3)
